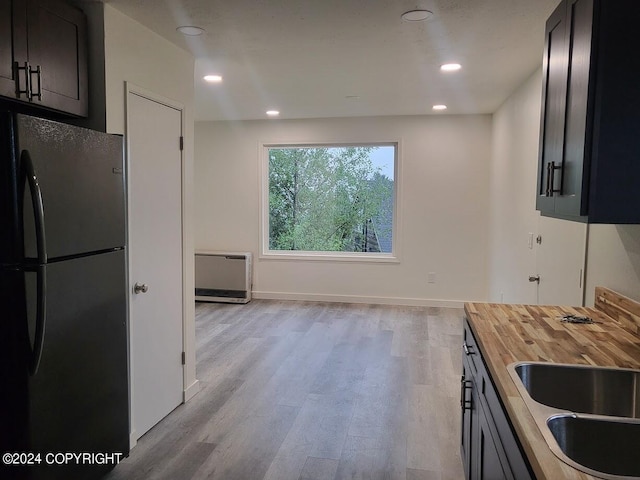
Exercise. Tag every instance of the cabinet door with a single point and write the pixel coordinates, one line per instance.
(468, 429)
(57, 44)
(489, 465)
(570, 200)
(554, 93)
(13, 43)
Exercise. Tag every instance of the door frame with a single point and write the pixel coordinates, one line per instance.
(187, 390)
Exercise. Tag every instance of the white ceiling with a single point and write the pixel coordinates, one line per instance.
(306, 58)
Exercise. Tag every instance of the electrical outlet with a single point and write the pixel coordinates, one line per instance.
(501, 297)
(431, 277)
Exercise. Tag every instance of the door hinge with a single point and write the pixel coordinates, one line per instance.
(184, 358)
(181, 143)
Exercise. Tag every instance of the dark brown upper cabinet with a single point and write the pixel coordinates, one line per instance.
(43, 55)
(12, 24)
(589, 161)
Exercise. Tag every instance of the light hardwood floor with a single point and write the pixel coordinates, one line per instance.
(308, 390)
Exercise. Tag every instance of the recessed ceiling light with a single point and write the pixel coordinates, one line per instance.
(273, 113)
(450, 67)
(439, 107)
(190, 30)
(417, 15)
(212, 78)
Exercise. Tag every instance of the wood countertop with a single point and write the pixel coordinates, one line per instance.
(513, 333)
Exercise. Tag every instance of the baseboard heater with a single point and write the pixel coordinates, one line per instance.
(223, 277)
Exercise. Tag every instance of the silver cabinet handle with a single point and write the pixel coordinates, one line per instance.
(27, 80)
(534, 278)
(140, 288)
(464, 386)
(38, 73)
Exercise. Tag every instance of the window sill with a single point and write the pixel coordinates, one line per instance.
(330, 257)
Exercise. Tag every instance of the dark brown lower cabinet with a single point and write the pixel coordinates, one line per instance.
(489, 463)
(489, 448)
(469, 407)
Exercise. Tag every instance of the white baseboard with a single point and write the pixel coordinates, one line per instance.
(190, 391)
(314, 297)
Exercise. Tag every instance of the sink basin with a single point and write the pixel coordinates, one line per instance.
(602, 445)
(583, 389)
(589, 416)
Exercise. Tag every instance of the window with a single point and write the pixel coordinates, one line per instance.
(336, 200)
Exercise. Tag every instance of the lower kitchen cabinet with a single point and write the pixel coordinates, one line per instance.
(489, 448)
(490, 465)
(469, 413)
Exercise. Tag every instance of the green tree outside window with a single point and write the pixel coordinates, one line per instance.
(331, 199)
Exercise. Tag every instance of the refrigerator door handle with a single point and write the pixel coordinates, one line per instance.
(41, 308)
(28, 172)
(36, 201)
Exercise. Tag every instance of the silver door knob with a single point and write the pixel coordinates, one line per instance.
(140, 288)
(534, 278)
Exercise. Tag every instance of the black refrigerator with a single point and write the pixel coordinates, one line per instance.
(63, 311)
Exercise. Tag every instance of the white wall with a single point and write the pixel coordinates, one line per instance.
(444, 200)
(468, 207)
(135, 54)
(514, 161)
(613, 260)
(613, 251)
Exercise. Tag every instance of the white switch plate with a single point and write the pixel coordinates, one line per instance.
(431, 277)
(530, 240)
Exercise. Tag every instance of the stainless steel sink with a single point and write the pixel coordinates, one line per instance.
(583, 389)
(602, 445)
(589, 416)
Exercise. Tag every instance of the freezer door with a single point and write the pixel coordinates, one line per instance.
(78, 396)
(73, 181)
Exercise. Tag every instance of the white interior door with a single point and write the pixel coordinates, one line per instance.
(560, 259)
(155, 253)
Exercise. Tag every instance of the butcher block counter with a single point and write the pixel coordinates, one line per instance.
(516, 333)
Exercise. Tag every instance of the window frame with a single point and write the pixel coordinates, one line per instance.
(356, 257)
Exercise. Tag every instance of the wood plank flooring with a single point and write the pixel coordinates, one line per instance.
(314, 391)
